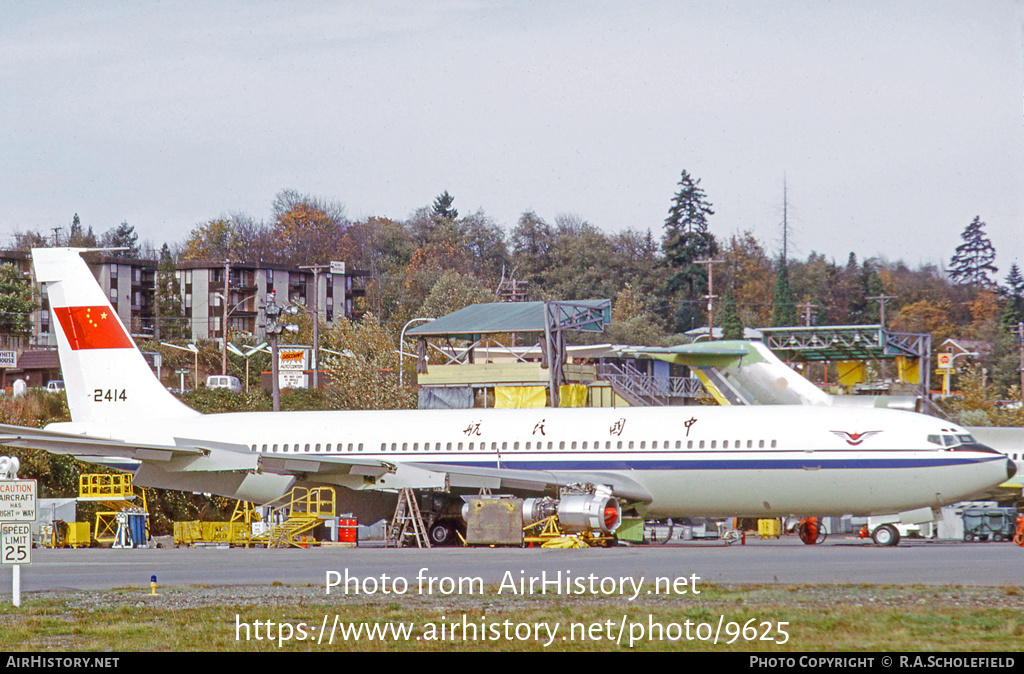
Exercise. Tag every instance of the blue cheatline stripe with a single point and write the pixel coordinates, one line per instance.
(738, 464)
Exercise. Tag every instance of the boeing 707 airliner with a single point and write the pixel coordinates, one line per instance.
(652, 462)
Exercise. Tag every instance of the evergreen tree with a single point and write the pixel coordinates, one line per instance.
(122, 236)
(79, 239)
(1014, 310)
(443, 207)
(732, 325)
(972, 263)
(784, 310)
(171, 322)
(687, 240)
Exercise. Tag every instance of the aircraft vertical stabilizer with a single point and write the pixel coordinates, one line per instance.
(106, 377)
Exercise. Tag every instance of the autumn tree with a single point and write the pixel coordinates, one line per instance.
(26, 241)
(633, 322)
(485, 243)
(748, 273)
(454, 291)
(532, 240)
(925, 316)
(365, 377)
(308, 230)
(383, 247)
(211, 240)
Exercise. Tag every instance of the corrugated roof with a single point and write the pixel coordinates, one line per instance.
(490, 318)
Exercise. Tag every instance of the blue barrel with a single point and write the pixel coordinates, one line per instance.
(137, 528)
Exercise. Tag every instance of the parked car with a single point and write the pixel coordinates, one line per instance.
(222, 381)
(55, 385)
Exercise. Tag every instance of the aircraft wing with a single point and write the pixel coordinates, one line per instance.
(189, 455)
(184, 456)
(742, 373)
(371, 474)
(87, 446)
(699, 354)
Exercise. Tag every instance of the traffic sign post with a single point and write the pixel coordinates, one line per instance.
(17, 512)
(17, 500)
(16, 542)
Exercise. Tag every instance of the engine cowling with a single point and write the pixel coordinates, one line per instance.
(576, 512)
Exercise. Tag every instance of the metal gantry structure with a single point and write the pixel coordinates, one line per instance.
(477, 323)
(852, 342)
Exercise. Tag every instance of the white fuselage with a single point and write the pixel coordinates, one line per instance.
(701, 460)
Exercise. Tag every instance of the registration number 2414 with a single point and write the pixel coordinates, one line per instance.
(110, 395)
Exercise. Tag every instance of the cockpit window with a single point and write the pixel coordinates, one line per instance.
(948, 441)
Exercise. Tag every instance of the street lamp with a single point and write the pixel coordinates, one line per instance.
(401, 345)
(224, 329)
(273, 328)
(948, 372)
(247, 354)
(194, 350)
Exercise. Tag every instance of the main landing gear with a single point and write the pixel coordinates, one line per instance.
(886, 535)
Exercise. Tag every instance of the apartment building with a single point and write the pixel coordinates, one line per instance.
(248, 287)
(130, 285)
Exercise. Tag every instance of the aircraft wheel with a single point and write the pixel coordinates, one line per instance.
(886, 535)
(442, 533)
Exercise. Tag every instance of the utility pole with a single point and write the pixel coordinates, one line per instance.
(710, 297)
(274, 328)
(1020, 346)
(882, 299)
(224, 321)
(316, 319)
(806, 307)
(785, 221)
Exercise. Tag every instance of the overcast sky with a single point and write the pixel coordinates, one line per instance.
(893, 123)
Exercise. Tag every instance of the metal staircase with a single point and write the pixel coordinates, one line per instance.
(640, 389)
(299, 512)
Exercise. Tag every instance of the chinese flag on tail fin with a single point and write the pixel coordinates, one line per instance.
(92, 328)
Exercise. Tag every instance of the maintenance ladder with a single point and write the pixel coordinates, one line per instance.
(407, 522)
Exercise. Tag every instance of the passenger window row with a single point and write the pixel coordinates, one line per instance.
(505, 446)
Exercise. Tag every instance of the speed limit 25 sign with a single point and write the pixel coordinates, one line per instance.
(16, 543)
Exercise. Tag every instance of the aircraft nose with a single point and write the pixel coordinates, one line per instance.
(1011, 469)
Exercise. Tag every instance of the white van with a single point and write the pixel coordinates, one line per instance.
(222, 381)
